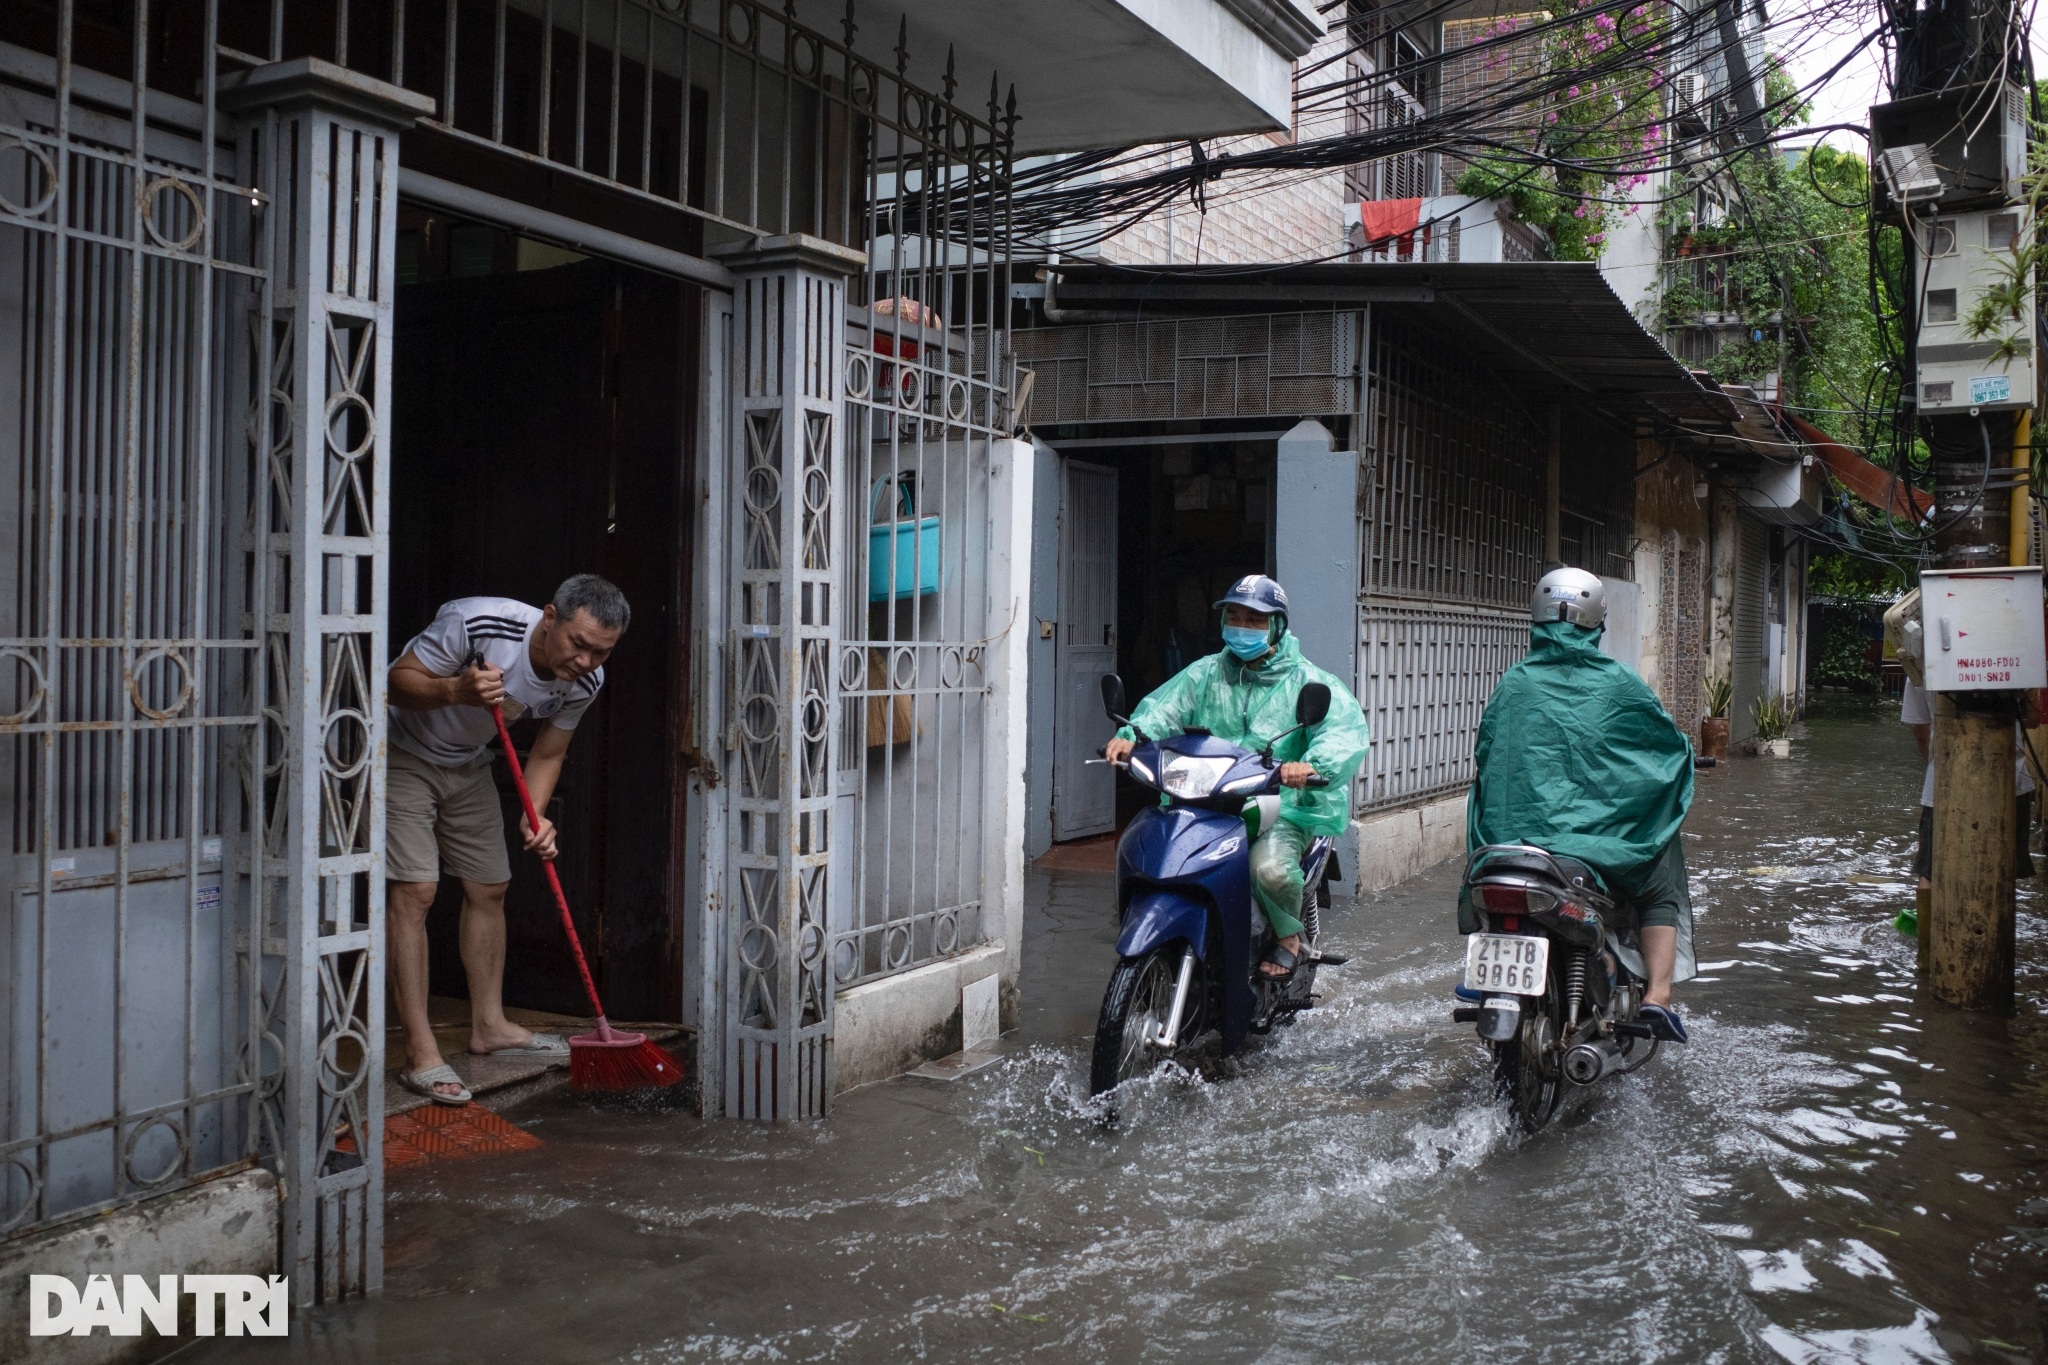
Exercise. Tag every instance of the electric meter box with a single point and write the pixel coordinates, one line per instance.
(1982, 629)
(1958, 257)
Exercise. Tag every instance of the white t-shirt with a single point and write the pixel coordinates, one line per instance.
(497, 628)
(1916, 707)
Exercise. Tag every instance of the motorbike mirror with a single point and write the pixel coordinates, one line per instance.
(1312, 705)
(1113, 697)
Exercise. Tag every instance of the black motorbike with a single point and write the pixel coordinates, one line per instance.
(1549, 993)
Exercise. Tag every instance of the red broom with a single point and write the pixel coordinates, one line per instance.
(608, 1059)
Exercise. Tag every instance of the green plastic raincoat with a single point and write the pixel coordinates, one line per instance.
(1577, 756)
(1249, 705)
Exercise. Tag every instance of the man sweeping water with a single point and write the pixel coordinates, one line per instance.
(1577, 756)
(442, 812)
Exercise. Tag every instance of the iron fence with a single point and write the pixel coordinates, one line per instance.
(731, 111)
(926, 394)
(194, 628)
(139, 1056)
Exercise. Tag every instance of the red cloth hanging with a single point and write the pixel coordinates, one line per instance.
(1382, 219)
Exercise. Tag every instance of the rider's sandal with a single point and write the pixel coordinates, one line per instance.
(1663, 1022)
(1280, 957)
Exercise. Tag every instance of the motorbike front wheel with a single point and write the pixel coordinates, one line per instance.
(1134, 1009)
(1525, 1071)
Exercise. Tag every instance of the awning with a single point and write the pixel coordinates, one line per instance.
(1872, 483)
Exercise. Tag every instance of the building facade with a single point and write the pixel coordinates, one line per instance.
(315, 316)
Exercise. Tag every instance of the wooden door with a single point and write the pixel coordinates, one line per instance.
(542, 428)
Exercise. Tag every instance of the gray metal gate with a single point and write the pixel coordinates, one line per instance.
(193, 648)
(870, 368)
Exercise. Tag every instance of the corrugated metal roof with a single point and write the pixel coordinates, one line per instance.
(1541, 323)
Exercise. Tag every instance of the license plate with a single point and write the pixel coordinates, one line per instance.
(1512, 963)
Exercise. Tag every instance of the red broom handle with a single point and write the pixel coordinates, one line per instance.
(604, 1029)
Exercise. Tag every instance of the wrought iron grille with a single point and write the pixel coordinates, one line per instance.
(1452, 543)
(926, 395)
(198, 331)
(1425, 672)
(1453, 478)
(1288, 364)
(131, 701)
(731, 111)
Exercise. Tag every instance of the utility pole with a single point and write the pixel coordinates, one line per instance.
(1953, 203)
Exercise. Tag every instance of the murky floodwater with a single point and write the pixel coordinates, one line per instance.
(1832, 1170)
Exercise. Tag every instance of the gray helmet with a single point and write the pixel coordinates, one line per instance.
(1569, 595)
(1258, 592)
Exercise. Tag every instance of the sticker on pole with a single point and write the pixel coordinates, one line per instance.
(1990, 388)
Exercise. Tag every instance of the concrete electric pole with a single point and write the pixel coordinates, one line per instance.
(1950, 152)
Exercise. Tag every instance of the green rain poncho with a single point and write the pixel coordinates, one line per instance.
(1249, 706)
(1577, 756)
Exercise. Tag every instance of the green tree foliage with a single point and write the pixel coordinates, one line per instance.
(1612, 124)
(1797, 234)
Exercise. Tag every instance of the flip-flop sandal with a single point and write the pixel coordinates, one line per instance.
(423, 1083)
(540, 1045)
(1663, 1022)
(1280, 957)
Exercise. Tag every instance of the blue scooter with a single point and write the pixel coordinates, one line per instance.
(1193, 936)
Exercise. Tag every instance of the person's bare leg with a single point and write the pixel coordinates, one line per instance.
(1660, 957)
(483, 962)
(405, 924)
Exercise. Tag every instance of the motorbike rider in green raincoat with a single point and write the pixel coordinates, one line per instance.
(1577, 756)
(1245, 693)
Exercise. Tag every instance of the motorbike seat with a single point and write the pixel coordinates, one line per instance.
(1529, 864)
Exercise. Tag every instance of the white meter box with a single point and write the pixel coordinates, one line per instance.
(1959, 258)
(1982, 629)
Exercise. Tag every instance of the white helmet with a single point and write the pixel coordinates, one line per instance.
(1569, 595)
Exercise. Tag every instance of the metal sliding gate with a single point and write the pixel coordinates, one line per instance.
(194, 336)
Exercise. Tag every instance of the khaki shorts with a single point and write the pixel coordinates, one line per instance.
(440, 819)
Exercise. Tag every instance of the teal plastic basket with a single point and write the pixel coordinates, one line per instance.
(903, 553)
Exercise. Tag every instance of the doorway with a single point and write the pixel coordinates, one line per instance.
(544, 413)
(1171, 526)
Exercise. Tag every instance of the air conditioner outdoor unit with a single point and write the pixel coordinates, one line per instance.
(1974, 138)
(1691, 89)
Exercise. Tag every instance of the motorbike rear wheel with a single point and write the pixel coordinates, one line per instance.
(1134, 1008)
(1525, 1073)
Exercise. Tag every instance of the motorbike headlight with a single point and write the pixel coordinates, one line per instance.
(1192, 777)
(1251, 782)
(1144, 773)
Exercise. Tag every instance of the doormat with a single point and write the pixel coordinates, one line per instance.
(440, 1132)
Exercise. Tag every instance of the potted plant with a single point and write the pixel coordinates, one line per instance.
(1773, 717)
(1718, 692)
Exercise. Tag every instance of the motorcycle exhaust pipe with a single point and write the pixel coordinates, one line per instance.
(1587, 1063)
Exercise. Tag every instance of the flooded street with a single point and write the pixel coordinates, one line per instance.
(1832, 1170)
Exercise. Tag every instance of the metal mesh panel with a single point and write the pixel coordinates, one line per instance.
(1266, 364)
